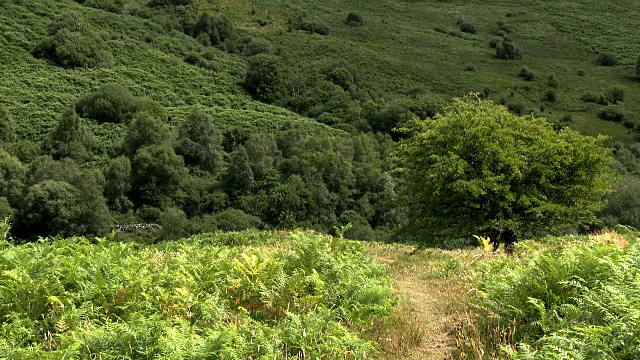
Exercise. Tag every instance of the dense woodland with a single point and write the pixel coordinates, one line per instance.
(200, 116)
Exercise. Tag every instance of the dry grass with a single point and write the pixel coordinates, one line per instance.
(432, 285)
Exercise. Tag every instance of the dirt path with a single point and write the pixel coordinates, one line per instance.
(432, 288)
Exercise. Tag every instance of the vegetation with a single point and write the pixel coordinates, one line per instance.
(477, 169)
(215, 295)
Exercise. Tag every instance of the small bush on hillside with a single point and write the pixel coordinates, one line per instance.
(502, 28)
(469, 67)
(217, 29)
(354, 19)
(613, 113)
(70, 20)
(505, 49)
(581, 72)
(265, 78)
(606, 59)
(236, 220)
(494, 42)
(169, 2)
(468, 28)
(552, 81)
(527, 74)
(616, 94)
(114, 6)
(595, 98)
(516, 108)
(109, 103)
(257, 46)
(299, 22)
(550, 96)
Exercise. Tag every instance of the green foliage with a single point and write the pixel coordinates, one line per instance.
(12, 178)
(7, 126)
(468, 28)
(623, 205)
(477, 169)
(301, 22)
(527, 74)
(354, 19)
(109, 103)
(156, 175)
(257, 46)
(616, 94)
(613, 113)
(118, 184)
(72, 44)
(200, 143)
(146, 130)
(236, 220)
(265, 78)
(505, 49)
(71, 138)
(638, 67)
(606, 59)
(173, 222)
(571, 302)
(169, 2)
(211, 296)
(238, 178)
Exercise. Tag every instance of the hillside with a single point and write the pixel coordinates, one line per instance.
(280, 115)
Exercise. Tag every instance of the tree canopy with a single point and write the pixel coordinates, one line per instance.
(478, 169)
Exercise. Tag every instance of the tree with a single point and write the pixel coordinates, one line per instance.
(7, 126)
(478, 169)
(238, 179)
(157, 175)
(12, 178)
(118, 184)
(265, 78)
(145, 130)
(200, 143)
(75, 49)
(71, 138)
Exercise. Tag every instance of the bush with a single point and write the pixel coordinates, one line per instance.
(469, 67)
(70, 20)
(505, 49)
(468, 28)
(502, 28)
(606, 59)
(550, 96)
(638, 67)
(616, 94)
(494, 42)
(218, 30)
(257, 46)
(516, 108)
(354, 19)
(75, 49)
(109, 103)
(299, 22)
(527, 74)
(114, 6)
(552, 82)
(581, 72)
(613, 113)
(169, 2)
(236, 220)
(595, 98)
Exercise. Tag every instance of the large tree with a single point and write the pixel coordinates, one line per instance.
(478, 169)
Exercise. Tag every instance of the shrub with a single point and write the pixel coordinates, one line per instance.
(550, 96)
(109, 103)
(638, 67)
(70, 20)
(552, 82)
(581, 72)
(236, 220)
(505, 49)
(468, 28)
(74, 49)
(502, 28)
(114, 6)
(616, 94)
(527, 74)
(606, 59)
(299, 22)
(469, 67)
(494, 42)
(595, 98)
(613, 113)
(354, 19)
(169, 2)
(516, 108)
(257, 46)
(217, 29)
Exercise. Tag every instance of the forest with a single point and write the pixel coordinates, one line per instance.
(140, 127)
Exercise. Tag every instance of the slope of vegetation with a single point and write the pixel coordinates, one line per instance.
(215, 296)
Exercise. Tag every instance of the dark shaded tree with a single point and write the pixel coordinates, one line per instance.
(157, 174)
(238, 178)
(200, 143)
(118, 184)
(146, 130)
(71, 138)
(265, 79)
(12, 178)
(354, 19)
(109, 103)
(505, 49)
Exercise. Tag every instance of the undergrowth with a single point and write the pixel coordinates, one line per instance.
(575, 299)
(248, 295)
